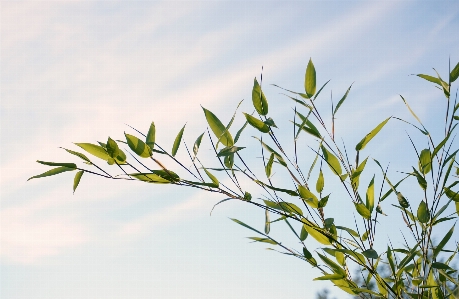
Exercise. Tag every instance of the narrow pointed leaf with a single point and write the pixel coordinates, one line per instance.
(269, 166)
(361, 145)
(256, 123)
(238, 134)
(310, 79)
(150, 139)
(414, 115)
(289, 192)
(320, 182)
(197, 144)
(309, 127)
(303, 233)
(342, 100)
(138, 146)
(332, 161)
(323, 201)
(370, 253)
(308, 196)
(350, 231)
(370, 198)
(229, 150)
(51, 172)
(177, 141)
(454, 196)
(245, 225)
(362, 210)
(68, 165)
(258, 99)
(229, 161)
(430, 78)
(94, 150)
(334, 276)
(425, 161)
(318, 234)
(218, 128)
(79, 155)
(151, 178)
(263, 240)
(77, 179)
(440, 146)
(267, 222)
(335, 267)
(402, 200)
(212, 178)
(112, 148)
(443, 242)
(454, 73)
(421, 180)
(276, 154)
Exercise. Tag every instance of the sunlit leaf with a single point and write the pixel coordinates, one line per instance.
(425, 161)
(229, 150)
(355, 176)
(258, 99)
(212, 178)
(79, 155)
(365, 236)
(332, 161)
(335, 267)
(150, 139)
(330, 277)
(51, 172)
(263, 240)
(270, 122)
(157, 176)
(454, 73)
(112, 148)
(276, 154)
(94, 150)
(256, 123)
(177, 141)
(350, 231)
(318, 234)
(320, 182)
(138, 146)
(430, 79)
(454, 196)
(308, 196)
(218, 128)
(310, 79)
(77, 179)
(308, 126)
(361, 145)
(269, 166)
(423, 213)
(229, 161)
(323, 201)
(238, 134)
(342, 100)
(303, 233)
(197, 144)
(402, 200)
(362, 210)
(370, 196)
(68, 165)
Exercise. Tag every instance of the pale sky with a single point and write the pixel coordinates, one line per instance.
(79, 71)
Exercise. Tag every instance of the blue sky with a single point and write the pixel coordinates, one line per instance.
(80, 71)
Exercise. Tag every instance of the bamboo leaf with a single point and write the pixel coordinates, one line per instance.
(258, 99)
(430, 78)
(342, 100)
(332, 161)
(370, 253)
(51, 172)
(370, 198)
(334, 276)
(256, 123)
(157, 177)
(177, 141)
(79, 155)
(267, 222)
(238, 134)
(454, 73)
(77, 179)
(454, 196)
(320, 182)
(269, 149)
(197, 144)
(68, 165)
(425, 161)
(212, 178)
(218, 128)
(229, 161)
(150, 139)
(94, 150)
(318, 234)
(269, 166)
(361, 145)
(245, 225)
(310, 80)
(443, 242)
(138, 146)
(229, 150)
(421, 180)
(362, 210)
(308, 196)
(263, 240)
(303, 233)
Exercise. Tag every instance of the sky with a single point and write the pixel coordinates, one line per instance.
(80, 71)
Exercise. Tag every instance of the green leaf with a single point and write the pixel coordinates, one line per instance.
(94, 150)
(342, 100)
(370, 253)
(218, 128)
(258, 99)
(454, 196)
(238, 134)
(303, 233)
(454, 73)
(138, 146)
(421, 180)
(357, 256)
(245, 225)
(77, 179)
(264, 240)
(318, 234)
(310, 79)
(308, 196)
(79, 155)
(212, 178)
(256, 123)
(270, 122)
(309, 126)
(267, 222)
(289, 192)
(320, 182)
(425, 161)
(365, 236)
(150, 139)
(379, 210)
(68, 165)
(333, 266)
(177, 141)
(330, 277)
(361, 145)
(197, 144)
(443, 242)
(423, 213)
(247, 196)
(350, 231)
(440, 145)
(402, 200)
(390, 259)
(332, 161)
(370, 198)
(269, 166)
(112, 148)
(323, 201)
(51, 172)
(229, 150)
(355, 176)
(229, 161)
(269, 149)
(430, 79)
(362, 210)
(457, 208)
(289, 207)
(415, 116)
(157, 177)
